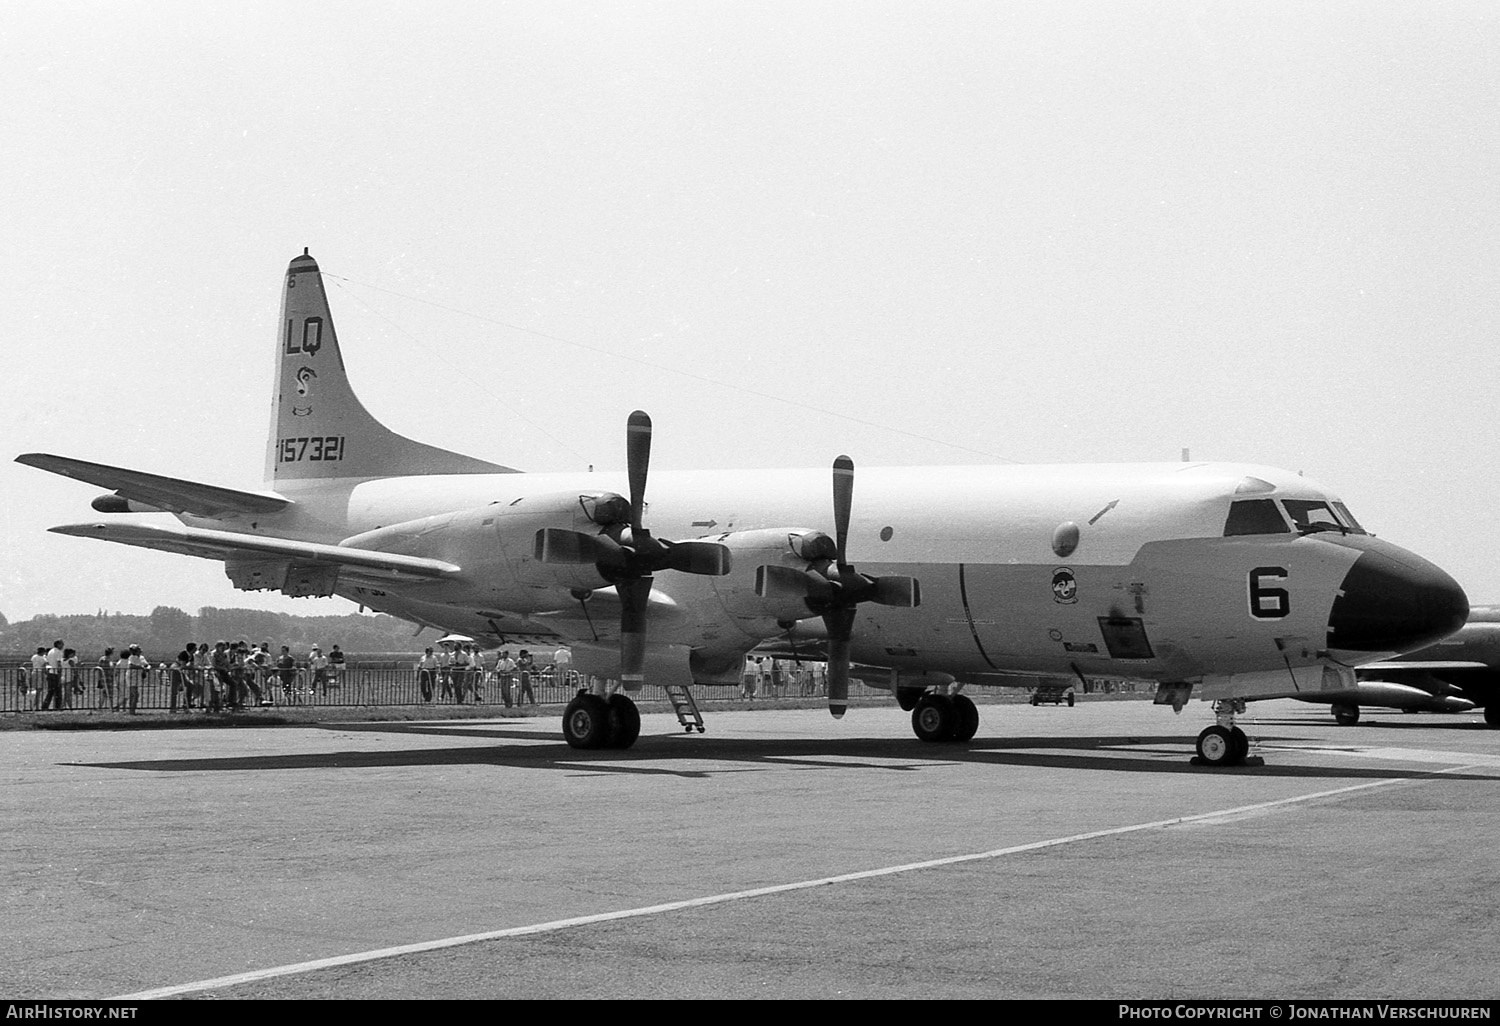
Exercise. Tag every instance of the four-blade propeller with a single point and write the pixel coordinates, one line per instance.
(627, 554)
(832, 588)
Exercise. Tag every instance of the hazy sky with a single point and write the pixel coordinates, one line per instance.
(915, 233)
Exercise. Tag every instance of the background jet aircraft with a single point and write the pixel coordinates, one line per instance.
(1232, 581)
(1457, 674)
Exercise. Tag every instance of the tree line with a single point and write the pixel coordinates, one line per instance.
(167, 629)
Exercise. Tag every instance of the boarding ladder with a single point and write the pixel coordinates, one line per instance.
(681, 697)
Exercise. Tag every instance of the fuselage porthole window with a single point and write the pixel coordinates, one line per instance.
(1254, 516)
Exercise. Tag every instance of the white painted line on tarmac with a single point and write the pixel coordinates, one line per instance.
(1422, 755)
(758, 892)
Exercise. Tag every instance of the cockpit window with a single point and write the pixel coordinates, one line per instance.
(1310, 515)
(1348, 518)
(1254, 516)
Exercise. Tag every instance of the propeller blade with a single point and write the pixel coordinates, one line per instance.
(695, 557)
(840, 624)
(905, 592)
(555, 545)
(843, 500)
(637, 461)
(635, 593)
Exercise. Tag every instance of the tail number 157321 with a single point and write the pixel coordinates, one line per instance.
(324, 448)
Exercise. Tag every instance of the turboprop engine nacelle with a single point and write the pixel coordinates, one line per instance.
(495, 544)
(743, 591)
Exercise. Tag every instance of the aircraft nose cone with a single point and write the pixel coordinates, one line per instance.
(1394, 601)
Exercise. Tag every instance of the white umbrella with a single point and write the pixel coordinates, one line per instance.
(454, 639)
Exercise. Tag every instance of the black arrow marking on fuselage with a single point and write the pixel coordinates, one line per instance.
(1112, 504)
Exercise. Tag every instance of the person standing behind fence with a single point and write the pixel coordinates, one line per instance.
(52, 666)
(427, 668)
(336, 663)
(462, 662)
(70, 683)
(318, 663)
(38, 679)
(286, 667)
(136, 668)
(445, 672)
(562, 667)
(505, 671)
(525, 667)
(178, 675)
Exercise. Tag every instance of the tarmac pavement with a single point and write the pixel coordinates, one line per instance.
(1061, 853)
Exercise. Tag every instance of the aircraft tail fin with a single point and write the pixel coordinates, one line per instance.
(319, 428)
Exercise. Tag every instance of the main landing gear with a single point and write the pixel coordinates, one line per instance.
(939, 717)
(592, 721)
(1224, 744)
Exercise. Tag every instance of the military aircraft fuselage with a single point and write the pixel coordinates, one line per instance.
(1119, 570)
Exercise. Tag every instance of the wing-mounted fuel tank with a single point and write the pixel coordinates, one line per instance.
(499, 548)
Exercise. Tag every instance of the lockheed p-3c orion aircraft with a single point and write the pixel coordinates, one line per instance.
(1225, 580)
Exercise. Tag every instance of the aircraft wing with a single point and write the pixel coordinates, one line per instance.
(166, 493)
(1421, 664)
(230, 545)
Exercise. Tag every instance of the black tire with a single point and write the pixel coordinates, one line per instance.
(586, 722)
(1241, 745)
(966, 717)
(624, 722)
(1492, 714)
(1070, 699)
(1346, 715)
(907, 698)
(1217, 746)
(934, 719)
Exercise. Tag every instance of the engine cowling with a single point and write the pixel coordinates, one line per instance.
(740, 591)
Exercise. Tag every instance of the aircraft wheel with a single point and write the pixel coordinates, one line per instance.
(966, 718)
(1070, 699)
(586, 722)
(1217, 746)
(1346, 715)
(907, 698)
(1241, 744)
(1492, 714)
(624, 722)
(933, 719)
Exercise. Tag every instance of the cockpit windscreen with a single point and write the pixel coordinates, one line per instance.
(1311, 515)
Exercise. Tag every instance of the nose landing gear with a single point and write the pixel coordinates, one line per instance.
(1224, 744)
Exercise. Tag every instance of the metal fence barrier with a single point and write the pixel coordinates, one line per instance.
(355, 686)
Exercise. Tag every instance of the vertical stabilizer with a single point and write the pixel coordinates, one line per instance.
(319, 428)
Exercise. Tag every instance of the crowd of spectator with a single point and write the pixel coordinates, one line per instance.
(235, 675)
(227, 676)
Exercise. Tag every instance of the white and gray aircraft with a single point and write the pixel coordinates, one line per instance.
(1237, 581)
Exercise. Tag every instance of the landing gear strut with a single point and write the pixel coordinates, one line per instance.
(1224, 744)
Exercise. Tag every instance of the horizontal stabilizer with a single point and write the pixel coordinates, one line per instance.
(1420, 664)
(165, 493)
(230, 545)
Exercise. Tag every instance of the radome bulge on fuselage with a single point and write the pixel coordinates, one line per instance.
(1241, 580)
